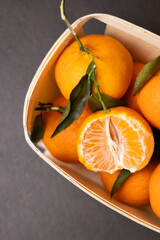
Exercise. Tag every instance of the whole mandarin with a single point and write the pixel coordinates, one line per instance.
(154, 191)
(129, 99)
(135, 190)
(148, 100)
(114, 66)
(62, 146)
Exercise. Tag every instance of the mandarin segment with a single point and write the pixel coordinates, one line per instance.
(114, 68)
(120, 138)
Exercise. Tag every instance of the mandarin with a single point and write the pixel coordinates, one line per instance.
(135, 190)
(120, 138)
(63, 146)
(154, 191)
(129, 99)
(114, 66)
(148, 100)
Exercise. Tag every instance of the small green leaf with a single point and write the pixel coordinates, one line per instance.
(145, 74)
(78, 98)
(37, 129)
(65, 113)
(124, 174)
(95, 104)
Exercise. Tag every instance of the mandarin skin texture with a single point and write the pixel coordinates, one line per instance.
(148, 100)
(114, 68)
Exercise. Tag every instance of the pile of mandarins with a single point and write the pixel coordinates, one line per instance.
(121, 138)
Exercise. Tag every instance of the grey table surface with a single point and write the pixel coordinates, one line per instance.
(35, 201)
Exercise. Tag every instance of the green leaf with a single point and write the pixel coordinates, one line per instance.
(145, 74)
(95, 104)
(78, 98)
(65, 113)
(37, 129)
(122, 177)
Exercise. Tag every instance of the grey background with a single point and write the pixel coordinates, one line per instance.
(35, 201)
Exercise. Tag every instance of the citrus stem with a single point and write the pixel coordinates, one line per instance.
(47, 109)
(91, 71)
(100, 97)
(64, 18)
(92, 78)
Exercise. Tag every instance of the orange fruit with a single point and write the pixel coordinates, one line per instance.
(149, 100)
(120, 138)
(62, 146)
(129, 99)
(135, 190)
(114, 68)
(154, 191)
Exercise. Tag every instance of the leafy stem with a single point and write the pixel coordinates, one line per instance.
(38, 128)
(91, 71)
(48, 107)
(100, 96)
(77, 101)
(64, 18)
